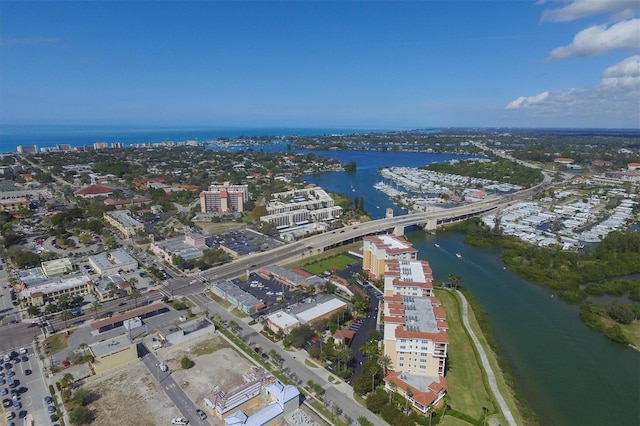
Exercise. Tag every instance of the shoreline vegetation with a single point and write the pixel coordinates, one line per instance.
(469, 391)
(577, 276)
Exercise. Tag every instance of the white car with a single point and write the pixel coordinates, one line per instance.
(179, 421)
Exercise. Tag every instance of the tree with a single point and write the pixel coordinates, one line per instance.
(186, 362)
(82, 397)
(342, 354)
(386, 363)
(135, 295)
(65, 316)
(33, 311)
(454, 280)
(133, 281)
(409, 394)
(95, 305)
(112, 289)
(81, 416)
(67, 380)
(63, 301)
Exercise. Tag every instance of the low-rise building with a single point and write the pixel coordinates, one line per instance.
(112, 263)
(112, 353)
(94, 190)
(13, 204)
(56, 267)
(284, 322)
(50, 291)
(239, 298)
(123, 222)
(190, 246)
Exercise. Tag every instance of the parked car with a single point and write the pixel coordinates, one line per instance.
(179, 421)
(201, 414)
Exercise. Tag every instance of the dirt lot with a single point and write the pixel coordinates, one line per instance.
(215, 364)
(130, 396)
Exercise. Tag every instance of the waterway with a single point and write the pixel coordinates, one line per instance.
(570, 374)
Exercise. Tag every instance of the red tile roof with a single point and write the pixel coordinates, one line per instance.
(94, 189)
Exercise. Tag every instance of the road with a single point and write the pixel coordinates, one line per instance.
(340, 393)
(170, 387)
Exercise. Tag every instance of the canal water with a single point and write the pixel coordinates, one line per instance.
(570, 374)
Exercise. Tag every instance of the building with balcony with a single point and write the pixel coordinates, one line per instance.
(378, 249)
(300, 206)
(224, 198)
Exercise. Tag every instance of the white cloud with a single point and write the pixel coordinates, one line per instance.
(624, 75)
(599, 39)
(621, 9)
(615, 100)
(527, 101)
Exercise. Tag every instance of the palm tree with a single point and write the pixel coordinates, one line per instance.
(409, 394)
(66, 380)
(386, 363)
(133, 282)
(111, 288)
(95, 305)
(135, 295)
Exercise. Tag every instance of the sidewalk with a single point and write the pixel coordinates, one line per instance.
(485, 364)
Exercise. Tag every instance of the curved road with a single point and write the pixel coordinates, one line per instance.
(485, 364)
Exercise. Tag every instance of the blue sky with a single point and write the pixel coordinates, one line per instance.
(322, 64)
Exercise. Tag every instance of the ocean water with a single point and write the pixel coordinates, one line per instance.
(49, 136)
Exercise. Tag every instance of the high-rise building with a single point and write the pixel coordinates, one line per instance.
(378, 249)
(224, 198)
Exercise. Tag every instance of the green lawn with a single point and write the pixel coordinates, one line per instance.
(338, 262)
(55, 343)
(467, 391)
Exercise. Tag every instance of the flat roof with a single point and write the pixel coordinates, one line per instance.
(282, 319)
(419, 315)
(240, 295)
(129, 314)
(321, 309)
(111, 345)
(57, 285)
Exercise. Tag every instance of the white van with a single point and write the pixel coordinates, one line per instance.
(156, 346)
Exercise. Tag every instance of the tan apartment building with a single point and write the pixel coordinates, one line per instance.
(224, 198)
(408, 278)
(379, 249)
(51, 290)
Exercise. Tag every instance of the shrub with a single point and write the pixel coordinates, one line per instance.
(186, 362)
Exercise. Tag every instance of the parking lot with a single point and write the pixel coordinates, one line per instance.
(23, 390)
(266, 290)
